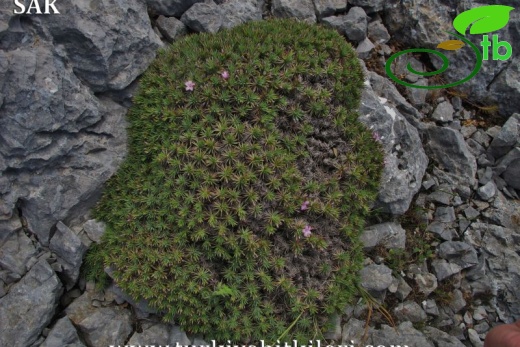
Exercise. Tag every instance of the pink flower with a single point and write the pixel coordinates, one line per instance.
(189, 85)
(305, 206)
(375, 136)
(307, 231)
(225, 75)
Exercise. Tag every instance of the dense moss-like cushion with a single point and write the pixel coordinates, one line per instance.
(238, 209)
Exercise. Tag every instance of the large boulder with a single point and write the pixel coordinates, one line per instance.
(60, 143)
(108, 43)
(405, 162)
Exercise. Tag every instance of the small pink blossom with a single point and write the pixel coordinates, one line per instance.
(307, 231)
(375, 136)
(305, 206)
(225, 75)
(189, 85)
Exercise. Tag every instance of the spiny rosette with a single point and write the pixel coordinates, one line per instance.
(238, 209)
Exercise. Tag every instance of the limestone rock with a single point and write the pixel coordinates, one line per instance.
(170, 8)
(171, 28)
(106, 51)
(106, 326)
(405, 162)
(203, 17)
(449, 150)
(236, 12)
(376, 278)
(325, 8)
(63, 333)
(70, 250)
(390, 235)
(29, 306)
(299, 9)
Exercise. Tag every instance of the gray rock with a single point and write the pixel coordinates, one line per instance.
(17, 252)
(63, 333)
(365, 48)
(503, 208)
(157, 334)
(443, 112)
(485, 175)
(430, 307)
(199, 341)
(459, 253)
(356, 25)
(457, 303)
(474, 338)
(467, 131)
(426, 283)
(503, 163)
(3, 290)
(101, 55)
(236, 12)
(417, 96)
(443, 230)
(493, 131)
(512, 174)
(441, 338)
(106, 326)
(70, 250)
(170, 8)
(376, 278)
(443, 269)
(299, 9)
(61, 144)
(384, 88)
(405, 160)
(171, 28)
(94, 229)
(390, 235)
(81, 308)
(481, 138)
(442, 194)
(370, 6)
(325, 8)
(480, 313)
(141, 305)
(449, 150)
(404, 334)
(335, 331)
(507, 137)
(403, 289)
(377, 32)
(29, 306)
(203, 17)
(475, 148)
(505, 86)
(482, 328)
(410, 311)
(488, 190)
(178, 336)
(353, 332)
(445, 214)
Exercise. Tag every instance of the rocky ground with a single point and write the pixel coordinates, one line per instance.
(442, 251)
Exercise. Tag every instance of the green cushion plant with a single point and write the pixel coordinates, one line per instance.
(238, 210)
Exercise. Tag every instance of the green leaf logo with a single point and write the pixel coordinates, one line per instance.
(483, 19)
